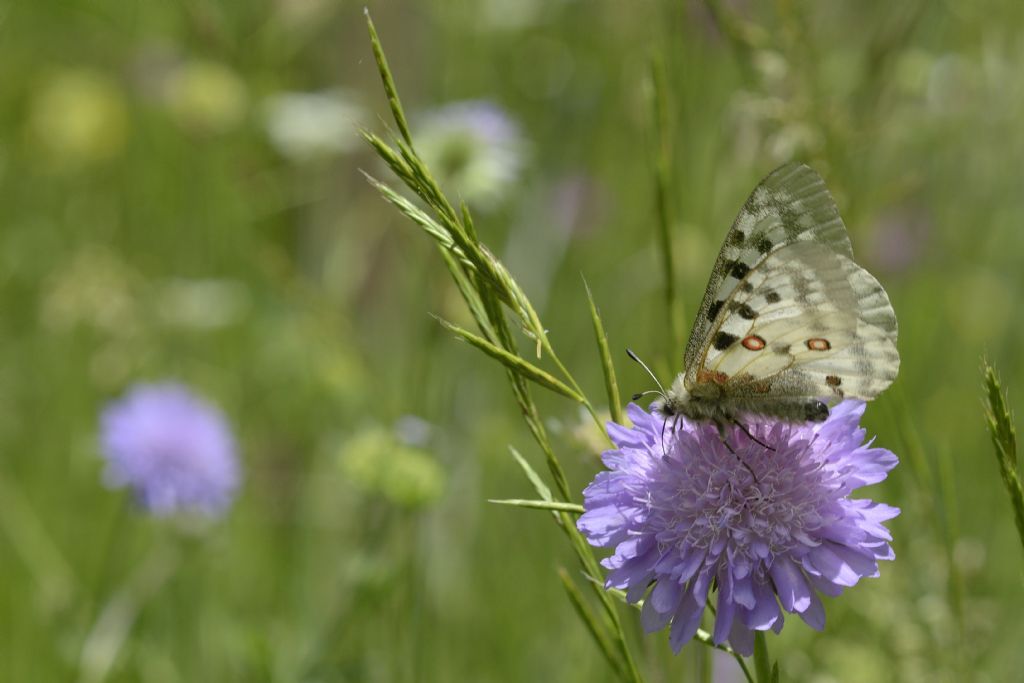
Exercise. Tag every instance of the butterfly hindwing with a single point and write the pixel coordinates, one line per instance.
(813, 324)
(800, 320)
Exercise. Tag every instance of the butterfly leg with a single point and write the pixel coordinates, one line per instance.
(725, 441)
(751, 436)
(675, 430)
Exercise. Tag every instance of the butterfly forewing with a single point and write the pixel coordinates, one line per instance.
(790, 204)
(798, 318)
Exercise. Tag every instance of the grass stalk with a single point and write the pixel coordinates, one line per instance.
(663, 190)
(1004, 439)
(485, 285)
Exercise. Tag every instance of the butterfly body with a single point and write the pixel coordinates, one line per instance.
(789, 322)
(714, 403)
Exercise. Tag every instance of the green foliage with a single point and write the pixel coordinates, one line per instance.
(153, 228)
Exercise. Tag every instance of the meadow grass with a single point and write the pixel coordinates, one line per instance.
(153, 228)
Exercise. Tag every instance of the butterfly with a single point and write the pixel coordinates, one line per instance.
(789, 324)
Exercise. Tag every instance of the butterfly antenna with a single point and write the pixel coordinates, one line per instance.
(661, 389)
(638, 396)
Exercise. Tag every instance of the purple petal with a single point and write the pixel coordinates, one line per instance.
(814, 615)
(726, 608)
(742, 639)
(765, 612)
(794, 593)
(685, 622)
(653, 620)
(680, 509)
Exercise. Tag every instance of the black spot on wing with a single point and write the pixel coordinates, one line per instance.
(724, 340)
(746, 287)
(771, 296)
(713, 310)
(736, 237)
(763, 244)
(744, 310)
(738, 269)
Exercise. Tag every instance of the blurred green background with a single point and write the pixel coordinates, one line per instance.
(181, 198)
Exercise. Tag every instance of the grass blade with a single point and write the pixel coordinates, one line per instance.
(572, 508)
(590, 621)
(388, 80)
(663, 188)
(515, 363)
(538, 484)
(610, 384)
(419, 217)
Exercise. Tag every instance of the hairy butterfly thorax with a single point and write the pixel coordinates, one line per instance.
(789, 323)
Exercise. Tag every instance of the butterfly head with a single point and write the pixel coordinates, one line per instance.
(679, 401)
(672, 402)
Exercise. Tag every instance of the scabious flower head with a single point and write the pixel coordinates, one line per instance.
(475, 148)
(173, 450)
(685, 514)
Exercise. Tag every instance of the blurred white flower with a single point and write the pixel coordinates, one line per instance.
(202, 304)
(93, 288)
(474, 147)
(309, 125)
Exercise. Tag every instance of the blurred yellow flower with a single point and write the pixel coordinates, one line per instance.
(206, 97)
(376, 461)
(78, 117)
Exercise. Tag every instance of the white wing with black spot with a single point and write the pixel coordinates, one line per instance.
(792, 204)
(813, 324)
(787, 312)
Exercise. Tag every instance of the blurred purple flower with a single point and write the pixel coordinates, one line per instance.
(174, 450)
(689, 517)
(900, 238)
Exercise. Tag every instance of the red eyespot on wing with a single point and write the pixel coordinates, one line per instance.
(819, 344)
(753, 343)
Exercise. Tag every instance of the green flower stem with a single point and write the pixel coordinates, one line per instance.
(114, 623)
(766, 671)
(590, 620)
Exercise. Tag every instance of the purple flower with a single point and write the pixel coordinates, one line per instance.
(174, 450)
(690, 517)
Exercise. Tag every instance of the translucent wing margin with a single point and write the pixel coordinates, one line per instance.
(792, 204)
